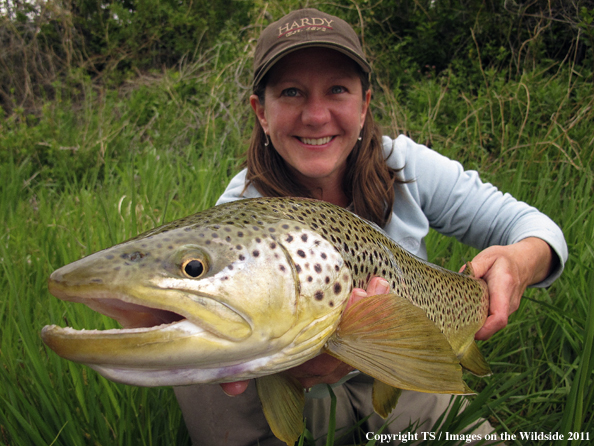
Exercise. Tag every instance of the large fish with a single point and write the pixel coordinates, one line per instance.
(254, 287)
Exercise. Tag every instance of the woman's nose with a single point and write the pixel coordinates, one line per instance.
(315, 111)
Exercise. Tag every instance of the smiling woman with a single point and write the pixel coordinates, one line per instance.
(315, 137)
(361, 178)
(313, 110)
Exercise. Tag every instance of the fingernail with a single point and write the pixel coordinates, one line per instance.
(360, 293)
(383, 286)
(228, 394)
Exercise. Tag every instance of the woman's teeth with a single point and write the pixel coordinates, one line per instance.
(316, 141)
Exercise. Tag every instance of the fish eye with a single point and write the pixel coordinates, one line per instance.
(193, 268)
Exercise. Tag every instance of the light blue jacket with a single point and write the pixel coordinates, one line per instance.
(454, 202)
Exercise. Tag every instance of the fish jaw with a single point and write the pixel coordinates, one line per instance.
(241, 321)
(166, 355)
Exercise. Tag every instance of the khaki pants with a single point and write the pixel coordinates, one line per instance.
(215, 419)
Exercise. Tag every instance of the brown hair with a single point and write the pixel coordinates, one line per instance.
(368, 182)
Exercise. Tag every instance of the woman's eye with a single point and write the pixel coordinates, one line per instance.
(290, 92)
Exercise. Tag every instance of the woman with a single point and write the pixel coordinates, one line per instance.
(315, 137)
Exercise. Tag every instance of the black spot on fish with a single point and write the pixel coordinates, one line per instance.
(337, 288)
(241, 257)
(272, 245)
(289, 239)
(318, 268)
(282, 268)
(319, 295)
(304, 237)
(309, 279)
(301, 253)
(324, 256)
(256, 253)
(298, 268)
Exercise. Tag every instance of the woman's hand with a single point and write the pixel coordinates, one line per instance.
(323, 369)
(508, 270)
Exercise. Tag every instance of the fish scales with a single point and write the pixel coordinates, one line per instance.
(453, 301)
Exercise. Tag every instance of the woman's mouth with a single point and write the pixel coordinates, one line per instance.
(316, 141)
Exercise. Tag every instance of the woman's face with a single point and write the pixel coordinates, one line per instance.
(313, 111)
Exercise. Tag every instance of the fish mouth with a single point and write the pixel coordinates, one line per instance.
(149, 305)
(132, 315)
(117, 306)
(152, 338)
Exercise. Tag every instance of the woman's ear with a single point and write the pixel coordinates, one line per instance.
(260, 112)
(365, 106)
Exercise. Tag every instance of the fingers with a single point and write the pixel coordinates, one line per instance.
(235, 388)
(499, 268)
(377, 285)
(493, 324)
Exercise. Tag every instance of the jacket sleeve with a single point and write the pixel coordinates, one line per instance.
(457, 203)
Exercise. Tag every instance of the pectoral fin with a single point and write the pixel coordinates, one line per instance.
(283, 401)
(474, 362)
(389, 338)
(384, 398)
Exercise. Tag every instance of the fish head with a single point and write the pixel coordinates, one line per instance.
(204, 302)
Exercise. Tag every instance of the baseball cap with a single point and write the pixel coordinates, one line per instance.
(304, 28)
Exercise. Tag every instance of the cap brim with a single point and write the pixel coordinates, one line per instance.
(309, 44)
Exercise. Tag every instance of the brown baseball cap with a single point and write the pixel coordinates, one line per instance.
(305, 28)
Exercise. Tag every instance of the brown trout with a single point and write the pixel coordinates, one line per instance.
(254, 287)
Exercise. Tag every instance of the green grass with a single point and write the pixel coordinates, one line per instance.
(87, 173)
